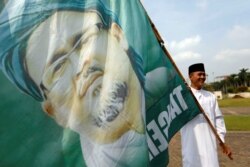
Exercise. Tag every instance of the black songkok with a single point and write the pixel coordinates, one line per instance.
(196, 67)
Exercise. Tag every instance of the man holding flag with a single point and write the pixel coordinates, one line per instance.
(199, 147)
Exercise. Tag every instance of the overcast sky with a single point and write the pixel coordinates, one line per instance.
(215, 32)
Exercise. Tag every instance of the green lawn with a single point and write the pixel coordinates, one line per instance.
(240, 102)
(237, 122)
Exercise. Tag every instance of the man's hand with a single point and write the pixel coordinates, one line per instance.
(226, 150)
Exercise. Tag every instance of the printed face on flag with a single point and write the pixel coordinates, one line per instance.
(86, 75)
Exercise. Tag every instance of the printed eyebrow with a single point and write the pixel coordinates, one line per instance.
(57, 56)
(79, 36)
(76, 39)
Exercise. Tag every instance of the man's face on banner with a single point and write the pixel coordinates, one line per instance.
(85, 73)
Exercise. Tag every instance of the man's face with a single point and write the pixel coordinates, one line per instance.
(197, 79)
(85, 73)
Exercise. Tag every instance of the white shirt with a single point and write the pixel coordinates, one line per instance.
(199, 147)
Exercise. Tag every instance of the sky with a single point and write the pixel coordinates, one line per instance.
(213, 32)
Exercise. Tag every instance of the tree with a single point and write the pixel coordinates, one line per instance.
(248, 79)
(243, 76)
(232, 80)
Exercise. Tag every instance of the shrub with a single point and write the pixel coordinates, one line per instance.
(231, 90)
(242, 89)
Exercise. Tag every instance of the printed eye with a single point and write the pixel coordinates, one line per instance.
(52, 74)
(93, 69)
(58, 67)
(100, 26)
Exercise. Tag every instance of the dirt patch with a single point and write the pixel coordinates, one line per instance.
(238, 97)
(238, 142)
(236, 110)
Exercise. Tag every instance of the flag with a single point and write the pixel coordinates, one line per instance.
(102, 91)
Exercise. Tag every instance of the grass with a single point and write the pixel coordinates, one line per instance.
(239, 102)
(237, 122)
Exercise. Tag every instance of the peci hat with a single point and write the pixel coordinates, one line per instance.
(196, 67)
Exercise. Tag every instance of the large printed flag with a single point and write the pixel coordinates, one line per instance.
(102, 92)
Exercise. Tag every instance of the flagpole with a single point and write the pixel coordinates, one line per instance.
(161, 42)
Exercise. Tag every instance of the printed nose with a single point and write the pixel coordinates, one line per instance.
(86, 77)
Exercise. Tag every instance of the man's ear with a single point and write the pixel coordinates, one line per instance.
(116, 31)
(190, 75)
(48, 108)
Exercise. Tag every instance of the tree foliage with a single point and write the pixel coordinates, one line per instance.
(233, 83)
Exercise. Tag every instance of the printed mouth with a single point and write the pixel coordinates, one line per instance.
(114, 106)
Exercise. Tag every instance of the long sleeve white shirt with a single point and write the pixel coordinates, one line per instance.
(199, 148)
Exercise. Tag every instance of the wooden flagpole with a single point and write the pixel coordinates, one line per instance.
(224, 147)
